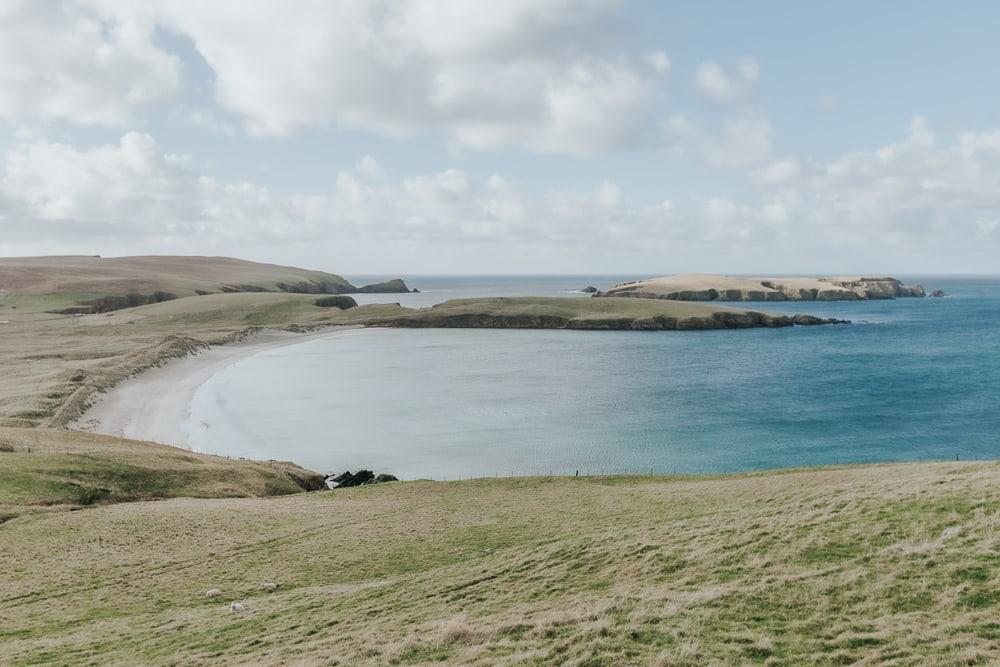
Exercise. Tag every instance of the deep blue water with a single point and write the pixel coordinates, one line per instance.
(911, 379)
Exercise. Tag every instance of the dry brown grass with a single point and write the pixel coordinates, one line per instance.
(45, 469)
(180, 275)
(799, 567)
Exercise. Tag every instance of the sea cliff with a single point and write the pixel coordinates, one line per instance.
(702, 287)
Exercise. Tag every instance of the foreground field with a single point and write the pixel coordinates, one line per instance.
(890, 564)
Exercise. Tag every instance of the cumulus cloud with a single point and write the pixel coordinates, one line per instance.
(526, 73)
(735, 143)
(530, 73)
(132, 189)
(658, 60)
(778, 172)
(914, 198)
(721, 84)
(742, 142)
(914, 195)
(67, 61)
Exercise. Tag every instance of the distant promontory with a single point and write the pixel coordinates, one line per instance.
(94, 284)
(707, 287)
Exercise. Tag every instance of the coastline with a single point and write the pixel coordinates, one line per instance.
(153, 405)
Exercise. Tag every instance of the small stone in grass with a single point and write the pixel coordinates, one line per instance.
(213, 593)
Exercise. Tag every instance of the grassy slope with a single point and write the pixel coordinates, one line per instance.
(575, 308)
(50, 468)
(894, 564)
(60, 278)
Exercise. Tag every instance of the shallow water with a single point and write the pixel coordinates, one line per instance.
(912, 379)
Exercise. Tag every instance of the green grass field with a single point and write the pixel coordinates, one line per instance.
(46, 469)
(877, 564)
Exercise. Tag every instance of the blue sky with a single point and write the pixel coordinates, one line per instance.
(550, 136)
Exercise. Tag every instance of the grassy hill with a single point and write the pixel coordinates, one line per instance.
(44, 468)
(48, 283)
(882, 564)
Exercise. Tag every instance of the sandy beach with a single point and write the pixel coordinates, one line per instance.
(153, 405)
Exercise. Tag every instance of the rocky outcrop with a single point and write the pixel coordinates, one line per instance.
(938, 294)
(589, 289)
(340, 301)
(360, 478)
(718, 320)
(727, 288)
(306, 479)
(396, 286)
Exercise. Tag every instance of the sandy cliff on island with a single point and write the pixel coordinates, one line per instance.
(707, 287)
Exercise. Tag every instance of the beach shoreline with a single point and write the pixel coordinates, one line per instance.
(153, 405)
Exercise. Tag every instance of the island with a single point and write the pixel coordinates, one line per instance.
(576, 313)
(710, 287)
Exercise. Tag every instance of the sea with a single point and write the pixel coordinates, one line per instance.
(909, 380)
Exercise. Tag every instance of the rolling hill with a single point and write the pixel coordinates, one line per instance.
(147, 279)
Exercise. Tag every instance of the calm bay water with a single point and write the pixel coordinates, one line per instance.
(912, 379)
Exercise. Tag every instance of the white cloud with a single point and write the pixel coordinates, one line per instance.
(369, 168)
(918, 201)
(742, 142)
(912, 194)
(130, 189)
(64, 61)
(722, 85)
(525, 73)
(532, 73)
(658, 60)
(778, 172)
(736, 143)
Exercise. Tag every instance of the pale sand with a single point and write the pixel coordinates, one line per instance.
(153, 405)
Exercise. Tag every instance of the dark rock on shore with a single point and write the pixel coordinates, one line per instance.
(340, 301)
(360, 478)
(590, 289)
(938, 293)
(720, 320)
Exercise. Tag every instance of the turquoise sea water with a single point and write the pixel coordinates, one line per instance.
(911, 379)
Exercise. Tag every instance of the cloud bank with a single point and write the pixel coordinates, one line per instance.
(900, 199)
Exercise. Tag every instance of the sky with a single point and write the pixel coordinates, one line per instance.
(525, 136)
